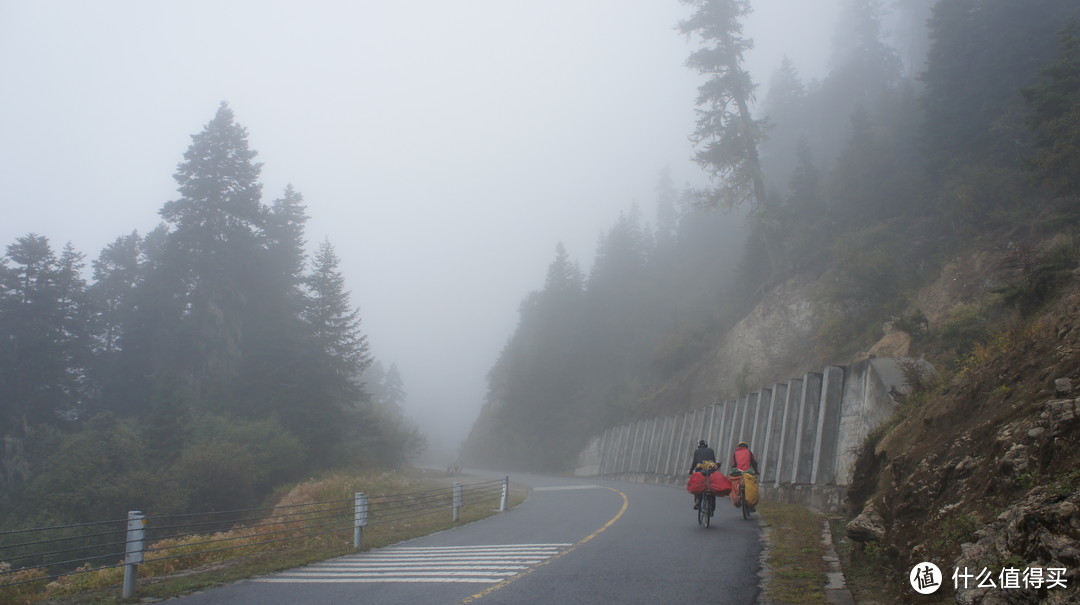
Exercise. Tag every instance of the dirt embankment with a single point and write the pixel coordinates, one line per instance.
(984, 473)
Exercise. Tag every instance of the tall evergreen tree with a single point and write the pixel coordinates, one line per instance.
(41, 351)
(152, 340)
(116, 275)
(1055, 115)
(983, 52)
(284, 227)
(667, 209)
(334, 321)
(726, 130)
(217, 242)
(392, 390)
(727, 134)
(787, 109)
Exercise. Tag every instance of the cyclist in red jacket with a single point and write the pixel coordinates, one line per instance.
(743, 459)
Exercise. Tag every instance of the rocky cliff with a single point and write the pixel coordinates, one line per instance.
(980, 470)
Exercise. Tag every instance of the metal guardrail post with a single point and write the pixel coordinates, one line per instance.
(360, 515)
(457, 501)
(504, 501)
(134, 553)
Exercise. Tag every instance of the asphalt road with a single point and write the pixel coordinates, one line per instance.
(571, 541)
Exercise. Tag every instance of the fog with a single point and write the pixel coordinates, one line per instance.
(443, 148)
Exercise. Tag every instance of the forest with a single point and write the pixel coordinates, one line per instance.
(939, 124)
(203, 365)
(206, 363)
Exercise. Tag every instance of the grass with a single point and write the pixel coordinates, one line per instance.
(863, 567)
(796, 569)
(173, 577)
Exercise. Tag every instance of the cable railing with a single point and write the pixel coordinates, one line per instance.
(33, 559)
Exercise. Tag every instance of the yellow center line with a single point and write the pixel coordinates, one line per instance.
(494, 587)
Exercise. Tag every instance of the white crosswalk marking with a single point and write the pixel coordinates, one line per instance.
(477, 564)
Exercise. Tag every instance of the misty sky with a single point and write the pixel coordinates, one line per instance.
(443, 148)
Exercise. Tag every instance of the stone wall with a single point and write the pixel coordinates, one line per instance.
(806, 433)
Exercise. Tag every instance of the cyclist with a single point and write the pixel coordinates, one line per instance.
(743, 459)
(703, 453)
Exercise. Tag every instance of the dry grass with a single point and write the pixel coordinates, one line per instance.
(796, 569)
(181, 565)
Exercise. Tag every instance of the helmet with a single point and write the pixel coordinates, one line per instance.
(702, 443)
(743, 444)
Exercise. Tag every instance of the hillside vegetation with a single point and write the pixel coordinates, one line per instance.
(206, 363)
(928, 211)
(874, 179)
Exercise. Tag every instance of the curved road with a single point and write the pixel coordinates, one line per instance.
(571, 541)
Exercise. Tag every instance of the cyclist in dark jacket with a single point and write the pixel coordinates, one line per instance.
(701, 454)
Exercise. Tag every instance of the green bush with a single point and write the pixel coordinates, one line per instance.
(87, 475)
(1043, 278)
(966, 326)
(233, 463)
(914, 323)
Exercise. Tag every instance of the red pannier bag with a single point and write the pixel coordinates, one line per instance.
(719, 483)
(735, 499)
(697, 483)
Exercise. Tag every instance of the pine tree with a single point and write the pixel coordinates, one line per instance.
(393, 388)
(726, 130)
(217, 242)
(727, 134)
(285, 236)
(982, 54)
(42, 347)
(333, 321)
(667, 210)
(116, 275)
(787, 110)
(1055, 115)
(564, 277)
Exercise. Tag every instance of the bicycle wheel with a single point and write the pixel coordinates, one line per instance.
(707, 504)
(701, 511)
(745, 504)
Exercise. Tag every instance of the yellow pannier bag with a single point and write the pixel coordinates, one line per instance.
(751, 488)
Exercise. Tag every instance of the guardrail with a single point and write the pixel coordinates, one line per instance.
(164, 544)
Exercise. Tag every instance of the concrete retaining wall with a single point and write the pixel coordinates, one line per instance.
(806, 433)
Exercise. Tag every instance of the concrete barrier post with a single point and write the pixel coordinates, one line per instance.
(134, 553)
(504, 501)
(698, 432)
(736, 426)
(761, 423)
(676, 438)
(726, 420)
(686, 442)
(806, 435)
(631, 443)
(746, 425)
(792, 403)
(774, 428)
(654, 445)
(669, 461)
(360, 518)
(828, 429)
(457, 501)
(658, 454)
(643, 446)
(718, 431)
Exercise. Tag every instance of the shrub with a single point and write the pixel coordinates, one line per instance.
(1042, 278)
(966, 326)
